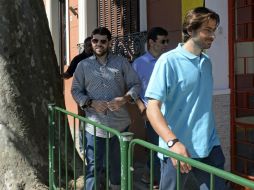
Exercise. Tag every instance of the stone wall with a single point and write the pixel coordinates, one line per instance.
(222, 117)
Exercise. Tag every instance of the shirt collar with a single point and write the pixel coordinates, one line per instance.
(108, 56)
(185, 52)
(150, 57)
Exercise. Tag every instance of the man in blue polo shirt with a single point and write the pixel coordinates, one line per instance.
(157, 42)
(180, 102)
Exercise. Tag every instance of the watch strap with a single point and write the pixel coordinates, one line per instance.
(172, 142)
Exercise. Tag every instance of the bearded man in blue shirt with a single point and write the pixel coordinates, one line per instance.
(102, 85)
(180, 107)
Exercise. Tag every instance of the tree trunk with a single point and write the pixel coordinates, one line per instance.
(29, 80)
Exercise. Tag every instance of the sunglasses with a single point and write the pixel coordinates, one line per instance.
(96, 41)
(164, 42)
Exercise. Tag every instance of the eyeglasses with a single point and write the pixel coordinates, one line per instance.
(96, 41)
(164, 41)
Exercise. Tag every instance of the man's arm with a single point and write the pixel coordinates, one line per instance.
(78, 89)
(142, 108)
(133, 87)
(132, 81)
(160, 125)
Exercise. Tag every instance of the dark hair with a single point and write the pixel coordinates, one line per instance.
(155, 31)
(87, 45)
(87, 40)
(102, 31)
(195, 18)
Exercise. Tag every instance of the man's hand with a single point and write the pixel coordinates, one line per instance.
(99, 106)
(116, 103)
(142, 108)
(179, 148)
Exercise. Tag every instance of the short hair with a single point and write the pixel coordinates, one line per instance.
(156, 31)
(87, 46)
(102, 31)
(87, 40)
(195, 18)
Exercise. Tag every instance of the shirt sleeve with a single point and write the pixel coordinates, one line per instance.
(78, 85)
(135, 65)
(132, 80)
(160, 82)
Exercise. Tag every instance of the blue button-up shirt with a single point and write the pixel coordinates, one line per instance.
(144, 65)
(93, 80)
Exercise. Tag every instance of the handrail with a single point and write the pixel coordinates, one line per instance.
(123, 138)
(210, 169)
(113, 131)
(127, 145)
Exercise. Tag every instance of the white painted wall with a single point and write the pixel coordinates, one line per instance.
(52, 8)
(87, 11)
(143, 15)
(219, 51)
(67, 33)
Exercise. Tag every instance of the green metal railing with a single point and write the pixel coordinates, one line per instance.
(61, 159)
(204, 167)
(57, 122)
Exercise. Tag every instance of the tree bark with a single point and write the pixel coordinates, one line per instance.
(29, 80)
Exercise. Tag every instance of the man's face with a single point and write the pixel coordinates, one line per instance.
(100, 44)
(160, 45)
(205, 35)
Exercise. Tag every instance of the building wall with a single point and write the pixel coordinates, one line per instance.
(187, 5)
(222, 117)
(219, 50)
(74, 28)
(220, 59)
(87, 11)
(166, 14)
(54, 24)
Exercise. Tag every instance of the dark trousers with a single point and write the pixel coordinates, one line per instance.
(114, 160)
(195, 179)
(152, 137)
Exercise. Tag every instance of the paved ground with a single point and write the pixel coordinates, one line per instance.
(137, 184)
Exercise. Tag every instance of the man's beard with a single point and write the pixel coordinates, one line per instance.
(101, 54)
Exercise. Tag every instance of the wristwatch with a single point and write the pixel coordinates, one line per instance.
(171, 143)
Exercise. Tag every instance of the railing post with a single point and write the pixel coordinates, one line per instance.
(125, 139)
(50, 140)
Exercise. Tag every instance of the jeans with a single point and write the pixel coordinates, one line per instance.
(114, 160)
(195, 179)
(152, 137)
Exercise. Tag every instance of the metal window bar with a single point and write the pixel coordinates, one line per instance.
(204, 167)
(66, 150)
(130, 46)
(59, 151)
(74, 150)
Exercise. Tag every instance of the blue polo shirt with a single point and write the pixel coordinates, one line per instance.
(144, 65)
(183, 83)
